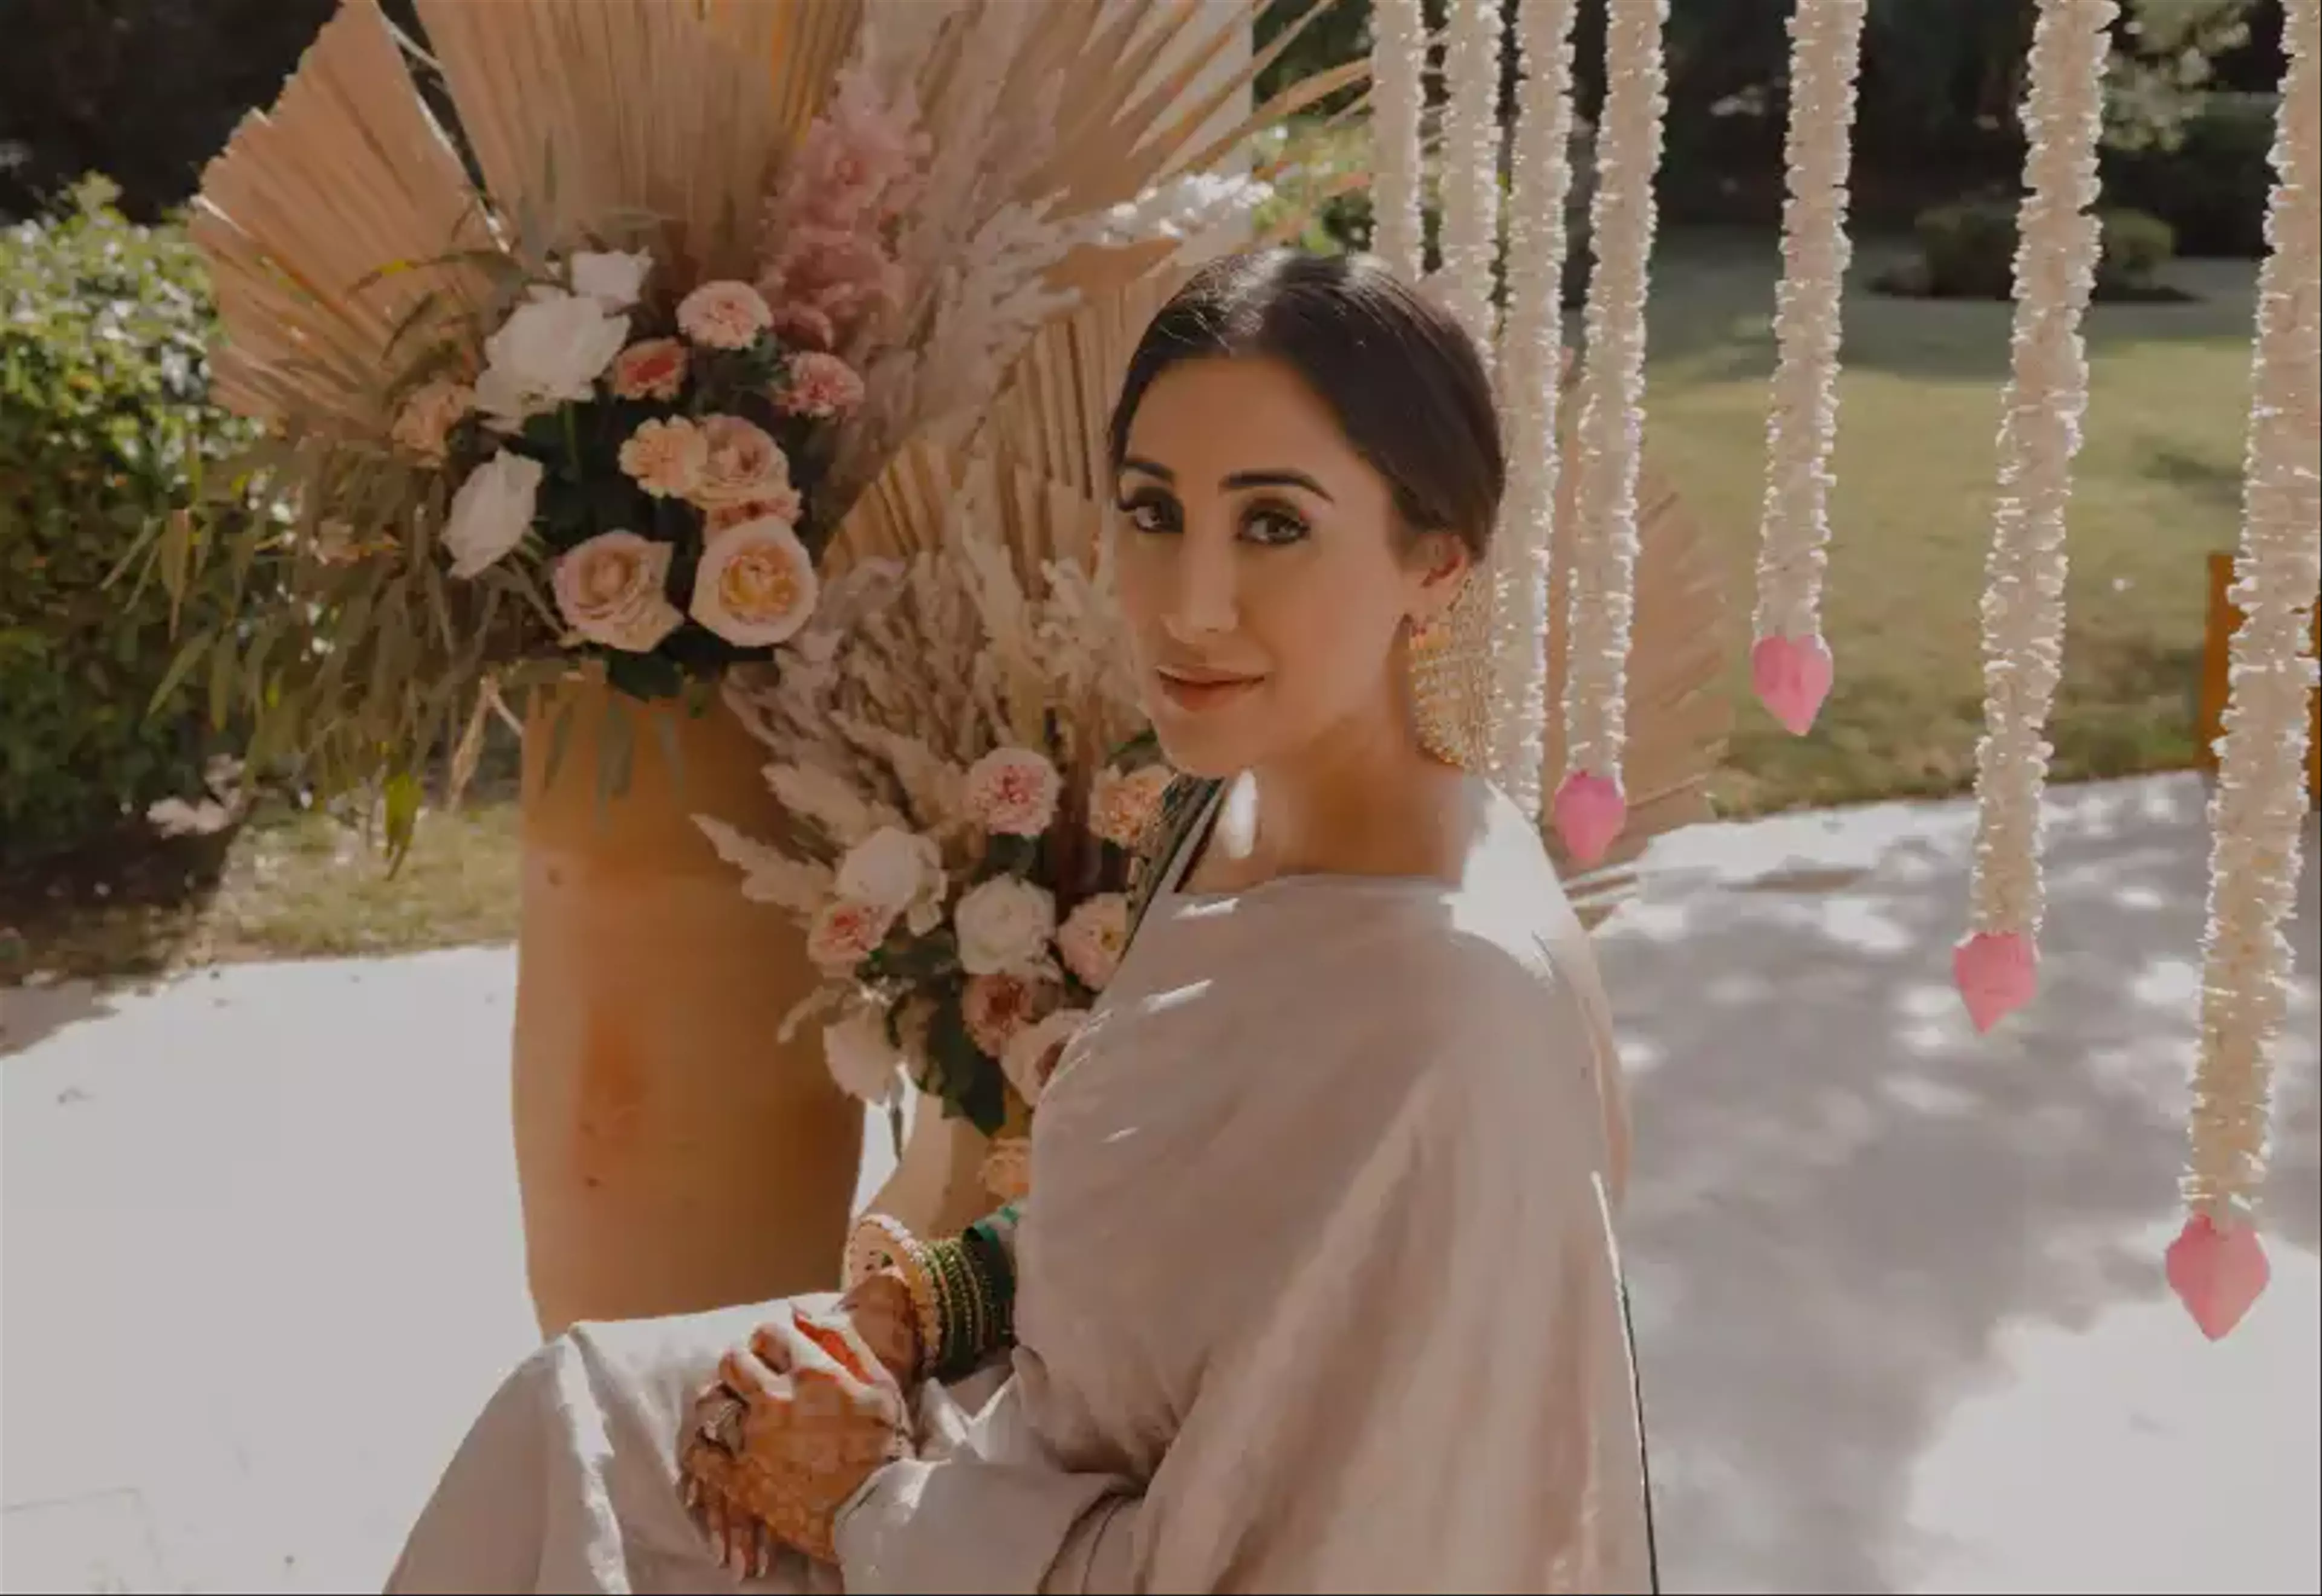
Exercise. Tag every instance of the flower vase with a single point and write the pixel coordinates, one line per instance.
(938, 1187)
(671, 1153)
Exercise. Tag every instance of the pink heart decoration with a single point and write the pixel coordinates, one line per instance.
(2217, 1274)
(1589, 814)
(1792, 675)
(1997, 975)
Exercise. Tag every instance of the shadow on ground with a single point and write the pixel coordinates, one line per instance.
(1846, 1199)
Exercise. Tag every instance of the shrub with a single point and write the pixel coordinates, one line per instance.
(2212, 187)
(105, 427)
(1968, 252)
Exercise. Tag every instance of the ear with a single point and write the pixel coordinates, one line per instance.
(1441, 566)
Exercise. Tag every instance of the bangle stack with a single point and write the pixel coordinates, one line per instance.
(962, 1290)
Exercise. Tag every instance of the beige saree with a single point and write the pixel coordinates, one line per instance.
(1318, 1291)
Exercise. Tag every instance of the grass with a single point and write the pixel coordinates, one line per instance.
(2158, 486)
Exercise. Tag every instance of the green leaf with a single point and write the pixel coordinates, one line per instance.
(179, 668)
(403, 799)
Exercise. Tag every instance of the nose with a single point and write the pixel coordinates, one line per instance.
(1203, 601)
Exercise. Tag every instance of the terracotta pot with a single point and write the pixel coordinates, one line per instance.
(938, 1187)
(671, 1156)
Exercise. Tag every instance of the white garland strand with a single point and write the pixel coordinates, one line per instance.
(1590, 808)
(1792, 661)
(2259, 808)
(1471, 165)
(1398, 103)
(2039, 435)
(1532, 364)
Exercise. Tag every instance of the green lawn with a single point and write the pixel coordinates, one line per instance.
(2158, 487)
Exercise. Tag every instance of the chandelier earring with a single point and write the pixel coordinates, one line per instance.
(1449, 658)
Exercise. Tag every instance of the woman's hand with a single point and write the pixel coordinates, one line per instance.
(801, 1419)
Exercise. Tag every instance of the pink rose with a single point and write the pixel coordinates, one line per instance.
(653, 369)
(785, 506)
(820, 385)
(1094, 938)
(1122, 806)
(724, 315)
(997, 1007)
(667, 459)
(742, 463)
(425, 424)
(846, 933)
(609, 590)
(1014, 791)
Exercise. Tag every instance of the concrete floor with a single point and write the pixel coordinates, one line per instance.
(1897, 1290)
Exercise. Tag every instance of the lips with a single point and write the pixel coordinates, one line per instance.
(1195, 691)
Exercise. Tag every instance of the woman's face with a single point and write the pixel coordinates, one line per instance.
(1265, 575)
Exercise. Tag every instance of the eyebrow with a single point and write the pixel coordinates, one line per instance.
(1238, 480)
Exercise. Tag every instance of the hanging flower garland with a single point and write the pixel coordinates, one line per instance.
(1790, 666)
(2040, 431)
(1471, 165)
(1532, 360)
(1398, 101)
(2216, 1264)
(1590, 808)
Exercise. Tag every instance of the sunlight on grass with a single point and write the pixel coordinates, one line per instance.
(2157, 486)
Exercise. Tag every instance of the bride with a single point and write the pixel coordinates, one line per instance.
(1318, 1289)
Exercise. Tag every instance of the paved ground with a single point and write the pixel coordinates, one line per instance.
(1897, 1290)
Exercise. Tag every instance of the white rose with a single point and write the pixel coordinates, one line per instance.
(491, 512)
(860, 1059)
(1033, 1057)
(613, 280)
(548, 353)
(1004, 926)
(895, 869)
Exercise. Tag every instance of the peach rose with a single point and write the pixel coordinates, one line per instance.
(755, 586)
(784, 506)
(424, 425)
(724, 315)
(1093, 936)
(1014, 791)
(651, 368)
(1123, 805)
(744, 463)
(666, 458)
(819, 386)
(609, 589)
(845, 933)
(997, 1007)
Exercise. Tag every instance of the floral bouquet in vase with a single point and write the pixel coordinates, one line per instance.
(968, 782)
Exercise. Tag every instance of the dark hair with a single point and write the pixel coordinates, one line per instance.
(1399, 372)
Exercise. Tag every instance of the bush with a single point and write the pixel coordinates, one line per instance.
(1968, 252)
(2212, 186)
(104, 427)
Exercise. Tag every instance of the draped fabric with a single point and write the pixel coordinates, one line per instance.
(1318, 1291)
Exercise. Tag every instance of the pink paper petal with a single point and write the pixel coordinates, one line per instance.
(2218, 1272)
(1997, 975)
(1589, 814)
(1792, 675)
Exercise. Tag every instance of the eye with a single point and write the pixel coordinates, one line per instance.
(1272, 525)
(1151, 512)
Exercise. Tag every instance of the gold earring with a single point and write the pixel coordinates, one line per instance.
(1448, 663)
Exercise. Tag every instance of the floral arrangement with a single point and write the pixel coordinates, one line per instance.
(965, 780)
(562, 384)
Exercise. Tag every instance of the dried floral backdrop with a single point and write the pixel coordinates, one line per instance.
(604, 407)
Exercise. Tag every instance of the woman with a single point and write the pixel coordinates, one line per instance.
(1319, 1291)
